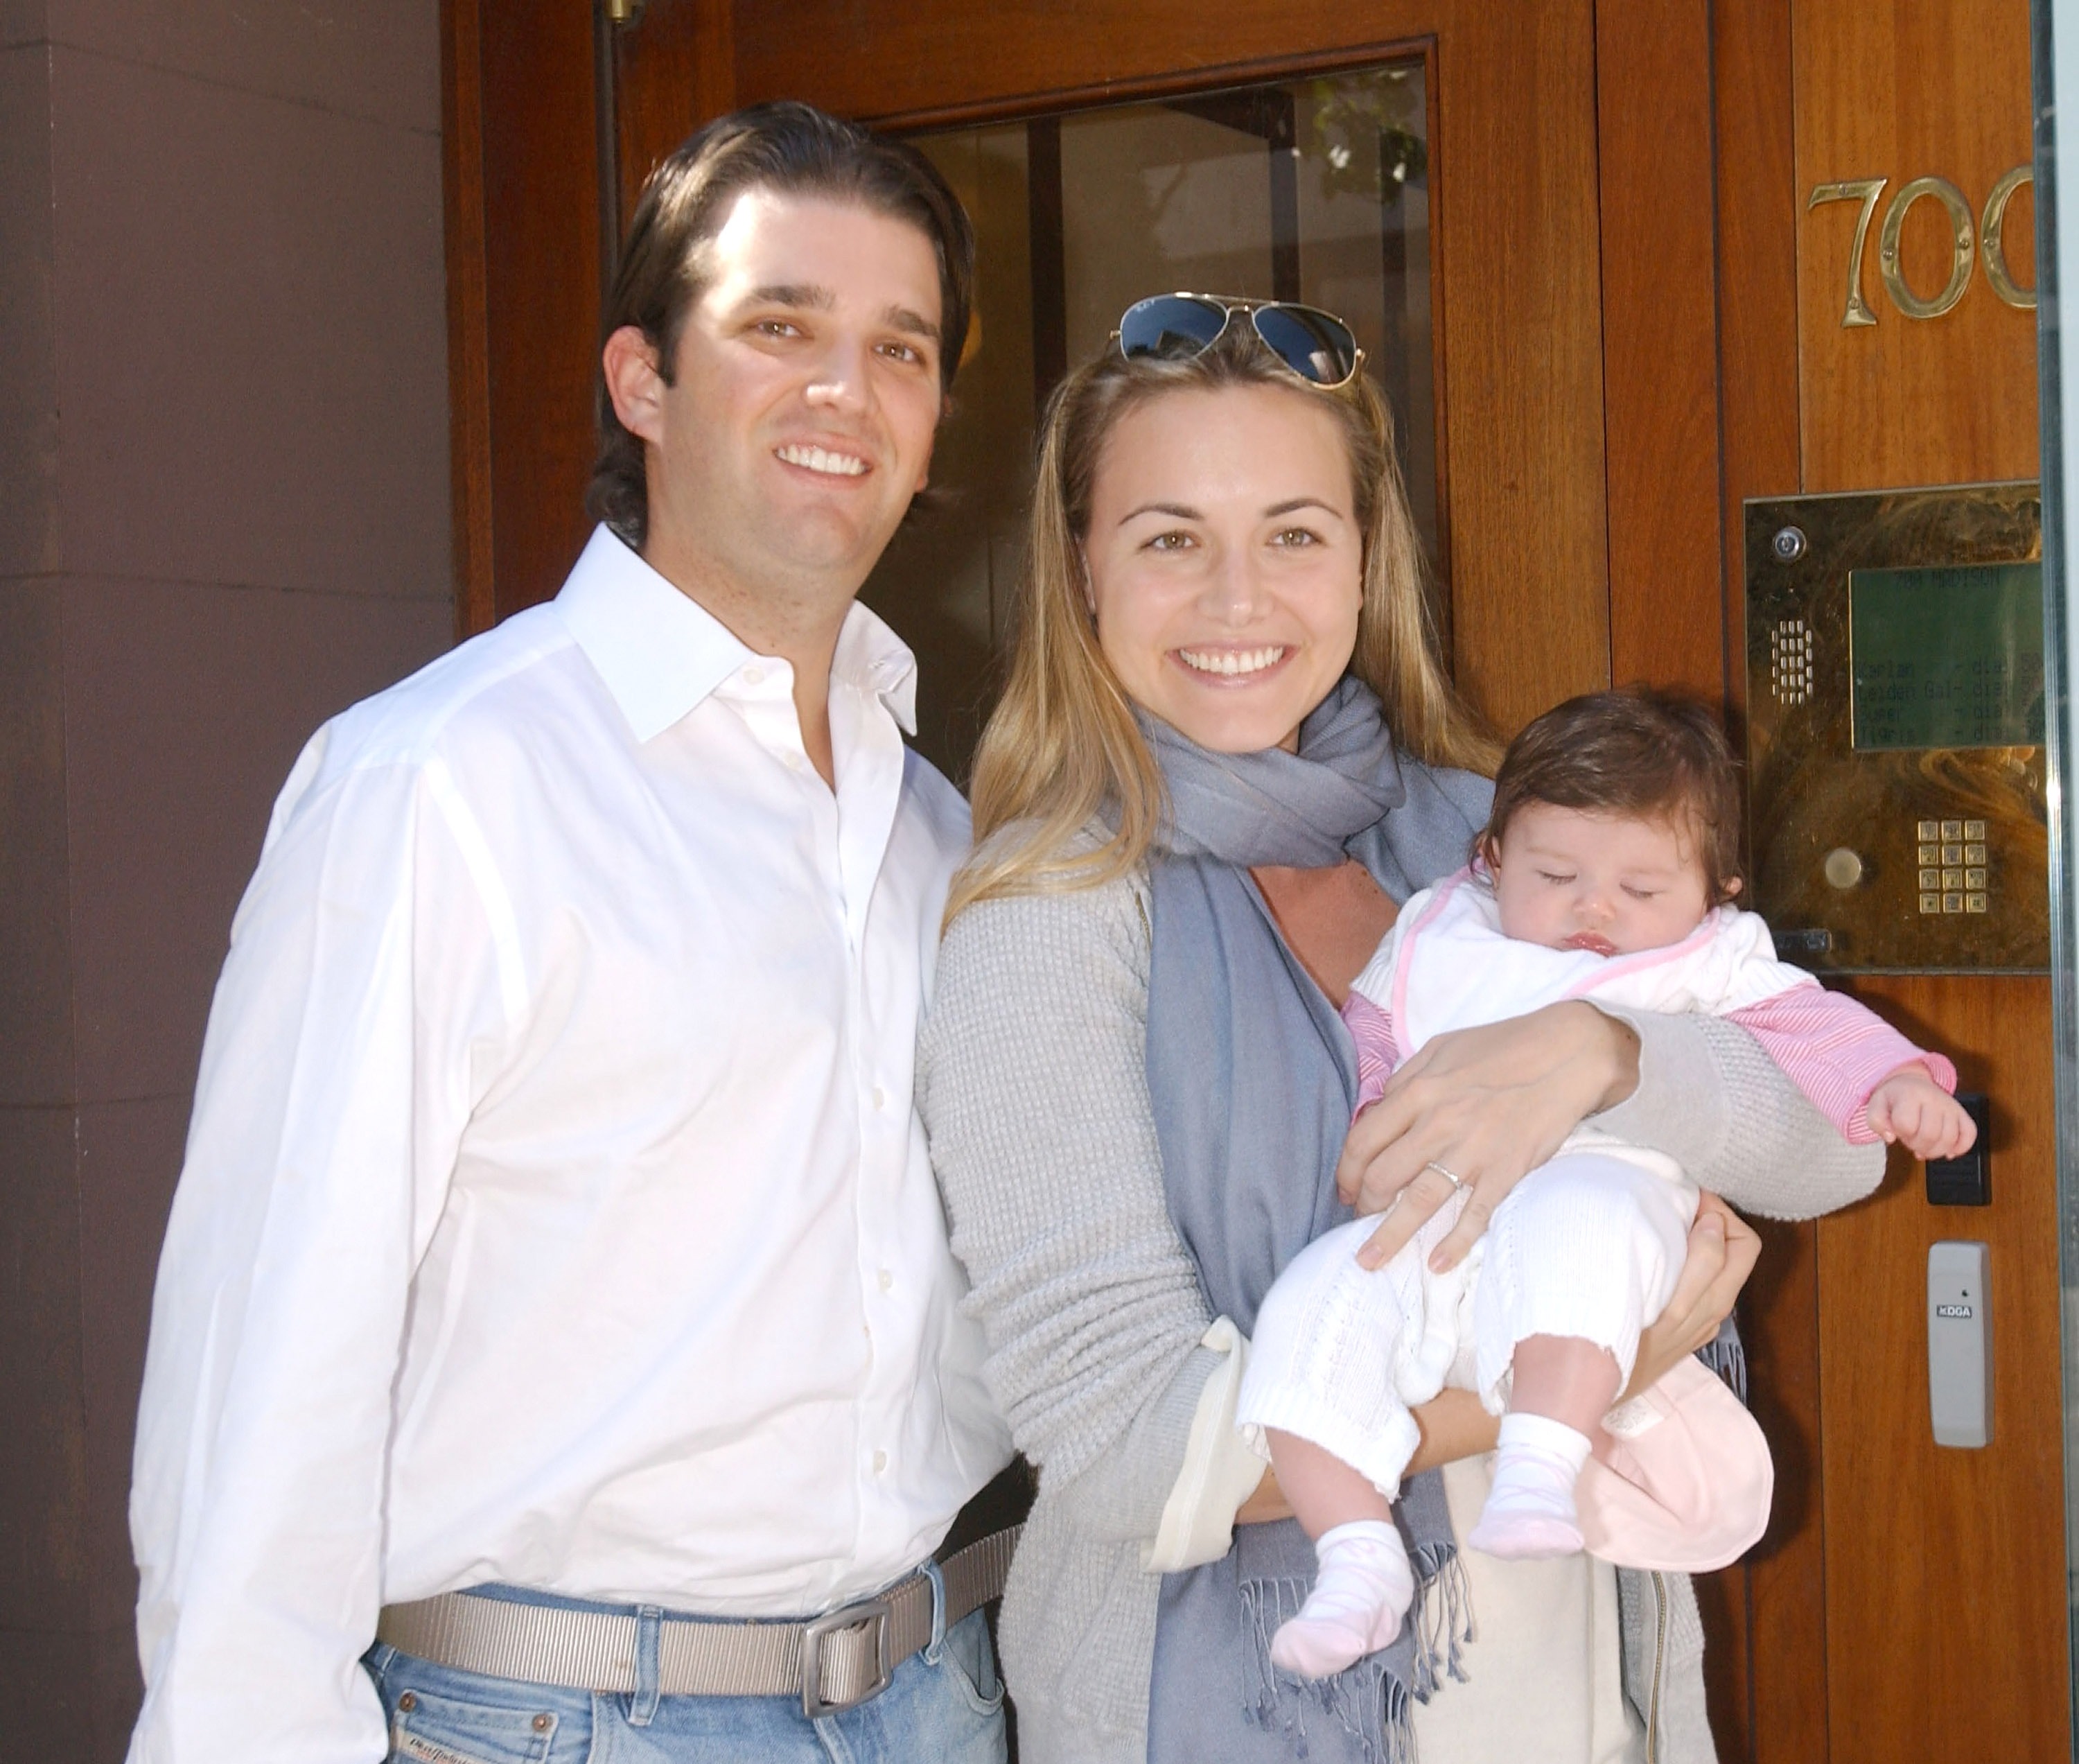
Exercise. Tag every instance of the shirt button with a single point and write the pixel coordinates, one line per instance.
(880, 1097)
(754, 677)
(880, 1462)
(887, 1280)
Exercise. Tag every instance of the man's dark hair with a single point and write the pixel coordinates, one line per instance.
(1637, 752)
(791, 149)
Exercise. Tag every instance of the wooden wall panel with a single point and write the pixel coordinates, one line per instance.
(524, 264)
(1661, 449)
(1947, 1566)
(1785, 1718)
(1784, 1721)
(1757, 283)
(675, 69)
(541, 177)
(469, 367)
(1660, 341)
(1898, 91)
(1518, 290)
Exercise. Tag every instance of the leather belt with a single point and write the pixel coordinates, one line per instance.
(831, 1662)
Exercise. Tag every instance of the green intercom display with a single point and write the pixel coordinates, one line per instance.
(1947, 657)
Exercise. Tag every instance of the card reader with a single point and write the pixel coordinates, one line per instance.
(1960, 1342)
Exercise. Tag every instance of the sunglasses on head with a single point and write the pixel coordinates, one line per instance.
(1316, 346)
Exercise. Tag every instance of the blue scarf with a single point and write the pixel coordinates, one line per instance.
(1253, 1077)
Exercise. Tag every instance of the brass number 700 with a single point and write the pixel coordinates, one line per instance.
(1987, 239)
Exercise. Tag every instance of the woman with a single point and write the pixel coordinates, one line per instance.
(1225, 752)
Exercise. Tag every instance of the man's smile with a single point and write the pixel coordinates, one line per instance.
(828, 461)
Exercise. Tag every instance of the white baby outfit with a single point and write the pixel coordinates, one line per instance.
(1587, 1245)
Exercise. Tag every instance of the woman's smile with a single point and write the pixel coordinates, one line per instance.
(1240, 666)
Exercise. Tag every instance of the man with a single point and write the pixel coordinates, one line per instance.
(555, 1223)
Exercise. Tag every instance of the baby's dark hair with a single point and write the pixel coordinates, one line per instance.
(1636, 751)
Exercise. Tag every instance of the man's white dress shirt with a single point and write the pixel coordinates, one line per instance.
(554, 1211)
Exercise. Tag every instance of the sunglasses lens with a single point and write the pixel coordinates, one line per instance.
(1169, 325)
(1313, 344)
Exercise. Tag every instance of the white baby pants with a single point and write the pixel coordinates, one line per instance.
(1588, 1244)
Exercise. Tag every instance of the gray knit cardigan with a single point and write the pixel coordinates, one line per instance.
(1031, 1082)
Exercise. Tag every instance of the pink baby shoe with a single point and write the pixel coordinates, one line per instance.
(1679, 1477)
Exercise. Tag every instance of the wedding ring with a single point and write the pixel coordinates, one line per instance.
(1451, 1176)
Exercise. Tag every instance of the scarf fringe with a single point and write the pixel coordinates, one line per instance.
(1367, 1701)
(1726, 1356)
(1443, 1616)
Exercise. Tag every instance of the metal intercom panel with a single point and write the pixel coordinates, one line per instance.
(1895, 808)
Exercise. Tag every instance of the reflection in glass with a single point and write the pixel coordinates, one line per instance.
(1313, 189)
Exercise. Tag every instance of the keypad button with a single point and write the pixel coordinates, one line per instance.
(1952, 878)
(1931, 830)
(1931, 854)
(1953, 829)
(1930, 903)
(1974, 878)
(1953, 854)
(1974, 830)
(1974, 854)
(1930, 879)
(1974, 903)
(1952, 902)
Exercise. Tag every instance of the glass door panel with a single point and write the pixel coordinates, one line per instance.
(1313, 189)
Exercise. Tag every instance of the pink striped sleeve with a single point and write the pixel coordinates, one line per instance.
(1836, 1051)
(1378, 1048)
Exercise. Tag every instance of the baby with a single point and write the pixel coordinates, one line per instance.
(1605, 872)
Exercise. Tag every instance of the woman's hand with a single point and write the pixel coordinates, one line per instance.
(1485, 1105)
(1723, 1249)
(1454, 1424)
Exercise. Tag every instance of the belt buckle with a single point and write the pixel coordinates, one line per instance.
(876, 1611)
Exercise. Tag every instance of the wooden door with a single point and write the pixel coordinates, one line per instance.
(1634, 326)
(1910, 1600)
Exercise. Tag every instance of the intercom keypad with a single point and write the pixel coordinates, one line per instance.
(1952, 865)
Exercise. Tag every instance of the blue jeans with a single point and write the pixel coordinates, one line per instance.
(942, 1706)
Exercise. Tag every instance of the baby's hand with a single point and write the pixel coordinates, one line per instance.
(1908, 1107)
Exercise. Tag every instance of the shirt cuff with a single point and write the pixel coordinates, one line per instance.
(1221, 1469)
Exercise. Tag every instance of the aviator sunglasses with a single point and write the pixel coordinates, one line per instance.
(1316, 346)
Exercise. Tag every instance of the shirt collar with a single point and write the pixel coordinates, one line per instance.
(872, 658)
(661, 653)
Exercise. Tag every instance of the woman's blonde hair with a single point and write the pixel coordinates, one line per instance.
(1062, 744)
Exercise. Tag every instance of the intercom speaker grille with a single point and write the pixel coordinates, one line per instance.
(1790, 661)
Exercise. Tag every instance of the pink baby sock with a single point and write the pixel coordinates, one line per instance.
(1361, 1590)
(1530, 1509)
